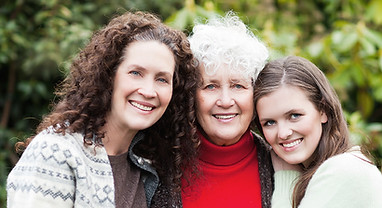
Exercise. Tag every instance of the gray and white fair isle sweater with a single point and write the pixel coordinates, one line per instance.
(60, 171)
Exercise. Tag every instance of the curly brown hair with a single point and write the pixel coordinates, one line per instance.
(85, 94)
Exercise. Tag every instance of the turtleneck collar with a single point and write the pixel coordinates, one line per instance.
(226, 155)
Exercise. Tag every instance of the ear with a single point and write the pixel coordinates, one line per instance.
(324, 117)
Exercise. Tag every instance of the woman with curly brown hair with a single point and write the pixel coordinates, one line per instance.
(123, 125)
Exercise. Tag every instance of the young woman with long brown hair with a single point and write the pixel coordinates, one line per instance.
(300, 116)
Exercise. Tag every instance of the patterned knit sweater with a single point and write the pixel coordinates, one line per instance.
(59, 171)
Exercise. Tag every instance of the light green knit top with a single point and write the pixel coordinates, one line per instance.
(345, 180)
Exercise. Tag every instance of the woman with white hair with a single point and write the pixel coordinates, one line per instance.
(234, 163)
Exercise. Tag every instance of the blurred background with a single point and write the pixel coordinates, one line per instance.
(39, 38)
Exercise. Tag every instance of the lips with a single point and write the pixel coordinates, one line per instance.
(141, 107)
(291, 144)
(225, 116)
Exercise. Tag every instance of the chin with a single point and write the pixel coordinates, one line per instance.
(293, 161)
(140, 127)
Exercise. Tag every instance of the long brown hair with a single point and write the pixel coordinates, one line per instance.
(301, 73)
(85, 94)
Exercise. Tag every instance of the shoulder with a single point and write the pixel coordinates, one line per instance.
(57, 168)
(343, 177)
(349, 169)
(48, 142)
(58, 148)
(349, 163)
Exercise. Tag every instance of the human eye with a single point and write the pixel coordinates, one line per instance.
(269, 123)
(209, 86)
(135, 73)
(163, 80)
(238, 86)
(295, 116)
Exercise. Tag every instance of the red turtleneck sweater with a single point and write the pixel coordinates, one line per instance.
(230, 176)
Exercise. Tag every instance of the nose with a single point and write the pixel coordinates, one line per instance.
(284, 131)
(147, 90)
(225, 99)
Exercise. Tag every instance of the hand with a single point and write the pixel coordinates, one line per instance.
(280, 164)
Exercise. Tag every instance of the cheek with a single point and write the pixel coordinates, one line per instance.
(120, 91)
(313, 127)
(246, 102)
(165, 95)
(200, 102)
(317, 133)
(250, 109)
(269, 136)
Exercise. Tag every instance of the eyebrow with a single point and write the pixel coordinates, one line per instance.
(162, 73)
(286, 113)
(264, 119)
(208, 80)
(214, 80)
(290, 111)
(135, 66)
(242, 81)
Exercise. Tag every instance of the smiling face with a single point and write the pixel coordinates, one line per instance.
(224, 105)
(291, 123)
(142, 86)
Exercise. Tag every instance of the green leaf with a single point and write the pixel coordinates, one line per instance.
(344, 41)
(25, 87)
(41, 89)
(373, 11)
(315, 49)
(377, 94)
(357, 75)
(365, 103)
(19, 40)
(367, 46)
(373, 36)
(179, 19)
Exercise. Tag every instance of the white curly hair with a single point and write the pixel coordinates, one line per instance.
(228, 41)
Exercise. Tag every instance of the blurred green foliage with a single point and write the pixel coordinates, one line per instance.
(38, 39)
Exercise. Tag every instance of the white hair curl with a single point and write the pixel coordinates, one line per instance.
(227, 40)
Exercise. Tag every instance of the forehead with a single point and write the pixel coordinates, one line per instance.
(284, 99)
(150, 54)
(222, 73)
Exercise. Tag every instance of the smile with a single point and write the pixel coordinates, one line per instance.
(292, 144)
(224, 116)
(141, 107)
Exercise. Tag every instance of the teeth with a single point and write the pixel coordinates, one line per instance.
(141, 107)
(292, 143)
(224, 116)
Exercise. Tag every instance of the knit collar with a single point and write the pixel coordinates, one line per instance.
(226, 155)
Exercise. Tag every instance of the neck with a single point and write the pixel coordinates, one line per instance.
(117, 138)
(226, 155)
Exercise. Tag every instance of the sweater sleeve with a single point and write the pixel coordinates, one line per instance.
(344, 181)
(43, 176)
(285, 181)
